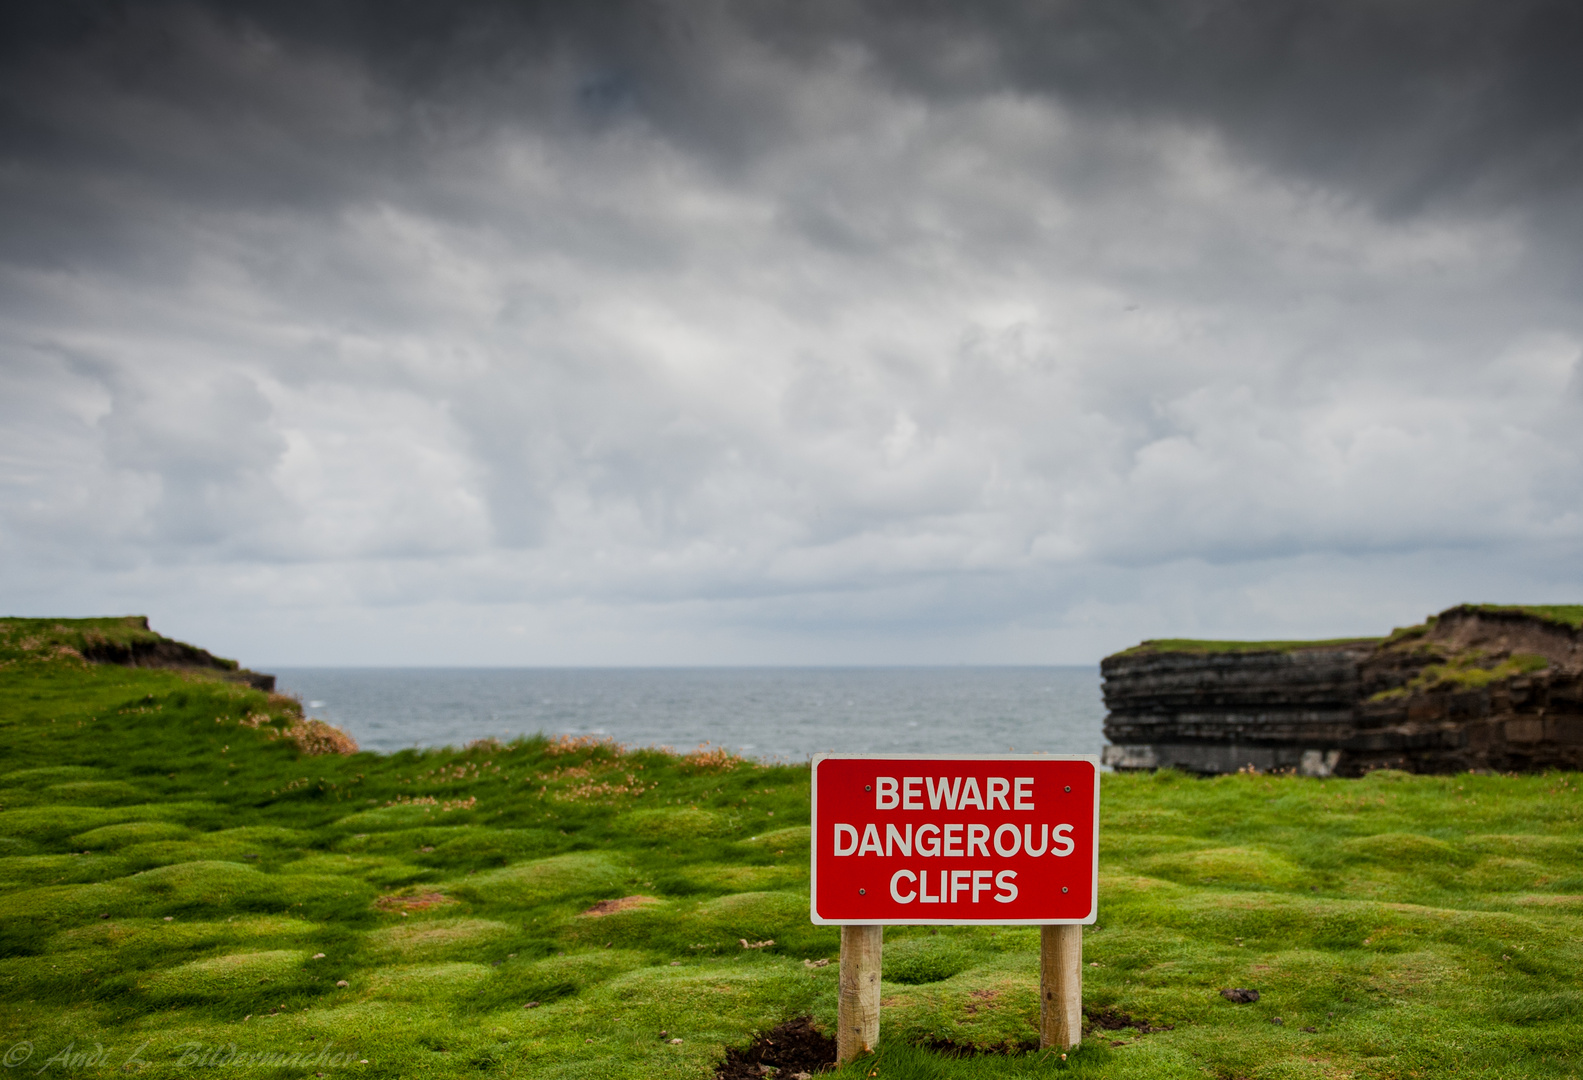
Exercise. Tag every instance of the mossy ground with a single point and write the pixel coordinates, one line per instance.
(170, 876)
(1568, 615)
(1205, 646)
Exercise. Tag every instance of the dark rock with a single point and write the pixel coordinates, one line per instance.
(1498, 689)
(1240, 996)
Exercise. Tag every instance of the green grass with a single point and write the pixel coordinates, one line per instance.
(29, 638)
(1568, 615)
(172, 866)
(1194, 645)
(1472, 669)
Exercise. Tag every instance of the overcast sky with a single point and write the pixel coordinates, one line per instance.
(787, 332)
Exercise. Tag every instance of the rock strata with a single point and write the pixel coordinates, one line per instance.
(1476, 687)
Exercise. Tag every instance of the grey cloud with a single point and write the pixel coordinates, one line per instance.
(1046, 326)
(1402, 102)
(1410, 98)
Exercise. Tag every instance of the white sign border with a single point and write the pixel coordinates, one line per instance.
(813, 841)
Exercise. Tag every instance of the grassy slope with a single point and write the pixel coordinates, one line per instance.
(1568, 615)
(1423, 926)
(20, 637)
(1197, 645)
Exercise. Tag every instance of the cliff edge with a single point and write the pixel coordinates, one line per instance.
(125, 640)
(1477, 687)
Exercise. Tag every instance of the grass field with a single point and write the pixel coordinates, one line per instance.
(182, 888)
(1206, 647)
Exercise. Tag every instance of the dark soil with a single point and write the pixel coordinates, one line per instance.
(947, 1048)
(1113, 1019)
(166, 653)
(791, 1048)
(1107, 1019)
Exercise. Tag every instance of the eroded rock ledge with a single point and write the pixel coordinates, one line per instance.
(1475, 687)
(128, 641)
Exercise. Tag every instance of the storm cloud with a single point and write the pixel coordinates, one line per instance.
(787, 332)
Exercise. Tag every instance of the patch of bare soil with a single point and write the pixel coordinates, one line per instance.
(1113, 1019)
(412, 902)
(980, 997)
(610, 907)
(792, 1049)
(1094, 1020)
(954, 1049)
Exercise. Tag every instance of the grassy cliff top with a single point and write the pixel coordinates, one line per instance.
(179, 877)
(114, 639)
(1568, 615)
(1195, 645)
(20, 636)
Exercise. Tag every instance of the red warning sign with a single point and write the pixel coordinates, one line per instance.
(908, 840)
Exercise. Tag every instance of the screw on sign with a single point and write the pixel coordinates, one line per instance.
(924, 841)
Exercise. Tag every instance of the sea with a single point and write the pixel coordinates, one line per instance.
(772, 714)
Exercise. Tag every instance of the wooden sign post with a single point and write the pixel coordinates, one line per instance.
(918, 841)
(1060, 986)
(857, 1007)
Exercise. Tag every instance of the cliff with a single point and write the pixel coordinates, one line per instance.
(127, 641)
(1475, 687)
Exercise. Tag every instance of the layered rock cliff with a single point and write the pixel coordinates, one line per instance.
(1476, 687)
(129, 642)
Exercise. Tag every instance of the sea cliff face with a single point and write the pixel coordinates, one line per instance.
(1473, 688)
(1476, 689)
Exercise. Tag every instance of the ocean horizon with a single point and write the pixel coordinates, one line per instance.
(768, 713)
